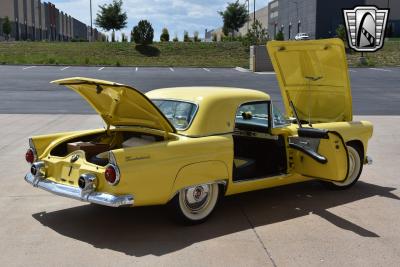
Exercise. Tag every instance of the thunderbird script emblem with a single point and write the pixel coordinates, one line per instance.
(366, 26)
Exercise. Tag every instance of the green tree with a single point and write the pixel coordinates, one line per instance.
(164, 35)
(111, 17)
(341, 32)
(143, 33)
(186, 38)
(196, 37)
(175, 40)
(279, 36)
(124, 38)
(6, 27)
(234, 17)
(257, 35)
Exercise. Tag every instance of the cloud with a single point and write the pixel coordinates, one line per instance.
(176, 15)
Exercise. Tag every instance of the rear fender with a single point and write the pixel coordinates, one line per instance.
(42, 142)
(200, 173)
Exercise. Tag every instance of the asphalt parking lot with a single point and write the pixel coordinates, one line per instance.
(296, 225)
(26, 89)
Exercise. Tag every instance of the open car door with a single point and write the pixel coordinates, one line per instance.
(319, 154)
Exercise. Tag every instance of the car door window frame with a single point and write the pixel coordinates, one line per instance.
(267, 102)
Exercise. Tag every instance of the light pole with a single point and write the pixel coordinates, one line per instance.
(248, 14)
(254, 14)
(91, 22)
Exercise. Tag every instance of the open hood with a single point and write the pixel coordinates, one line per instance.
(314, 75)
(118, 104)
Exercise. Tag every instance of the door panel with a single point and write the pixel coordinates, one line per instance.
(327, 160)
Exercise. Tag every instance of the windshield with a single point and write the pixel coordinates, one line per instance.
(179, 113)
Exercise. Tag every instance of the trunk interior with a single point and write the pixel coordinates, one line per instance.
(96, 146)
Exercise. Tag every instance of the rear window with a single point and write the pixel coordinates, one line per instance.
(179, 113)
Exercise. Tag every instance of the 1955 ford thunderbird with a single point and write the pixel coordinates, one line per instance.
(188, 147)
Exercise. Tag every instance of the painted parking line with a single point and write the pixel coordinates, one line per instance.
(380, 69)
(208, 70)
(28, 67)
(64, 68)
(265, 73)
(136, 69)
(171, 69)
(101, 68)
(241, 69)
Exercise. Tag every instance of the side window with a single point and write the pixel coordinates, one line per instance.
(279, 119)
(253, 116)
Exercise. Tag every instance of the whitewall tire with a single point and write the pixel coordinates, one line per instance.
(355, 168)
(193, 205)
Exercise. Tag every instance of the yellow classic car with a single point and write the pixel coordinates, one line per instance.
(188, 147)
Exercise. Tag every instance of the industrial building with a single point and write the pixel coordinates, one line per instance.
(36, 21)
(261, 15)
(320, 18)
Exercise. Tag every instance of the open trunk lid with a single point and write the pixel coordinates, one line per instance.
(314, 76)
(119, 104)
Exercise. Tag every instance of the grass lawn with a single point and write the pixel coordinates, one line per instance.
(389, 55)
(125, 54)
(223, 54)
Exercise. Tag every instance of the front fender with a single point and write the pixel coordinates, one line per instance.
(200, 173)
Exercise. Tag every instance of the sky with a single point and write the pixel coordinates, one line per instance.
(176, 15)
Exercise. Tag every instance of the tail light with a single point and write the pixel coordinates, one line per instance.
(30, 156)
(112, 174)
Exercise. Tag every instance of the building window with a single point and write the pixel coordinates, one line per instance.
(274, 14)
(274, 4)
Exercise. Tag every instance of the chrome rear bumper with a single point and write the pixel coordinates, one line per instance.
(76, 193)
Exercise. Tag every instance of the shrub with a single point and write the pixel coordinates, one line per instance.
(256, 35)
(164, 35)
(7, 27)
(124, 39)
(143, 33)
(186, 38)
(279, 36)
(341, 32)
(196, 36)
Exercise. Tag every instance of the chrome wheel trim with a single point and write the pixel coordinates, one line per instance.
(197, 202)
(354, 167)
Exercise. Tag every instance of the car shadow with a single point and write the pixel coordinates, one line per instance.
(148, 230)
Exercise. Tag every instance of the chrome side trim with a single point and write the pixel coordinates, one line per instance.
(368, 160)
(76, 193)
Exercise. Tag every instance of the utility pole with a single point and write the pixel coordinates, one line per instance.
(254, 14)
(248, 15)
(91, 22)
